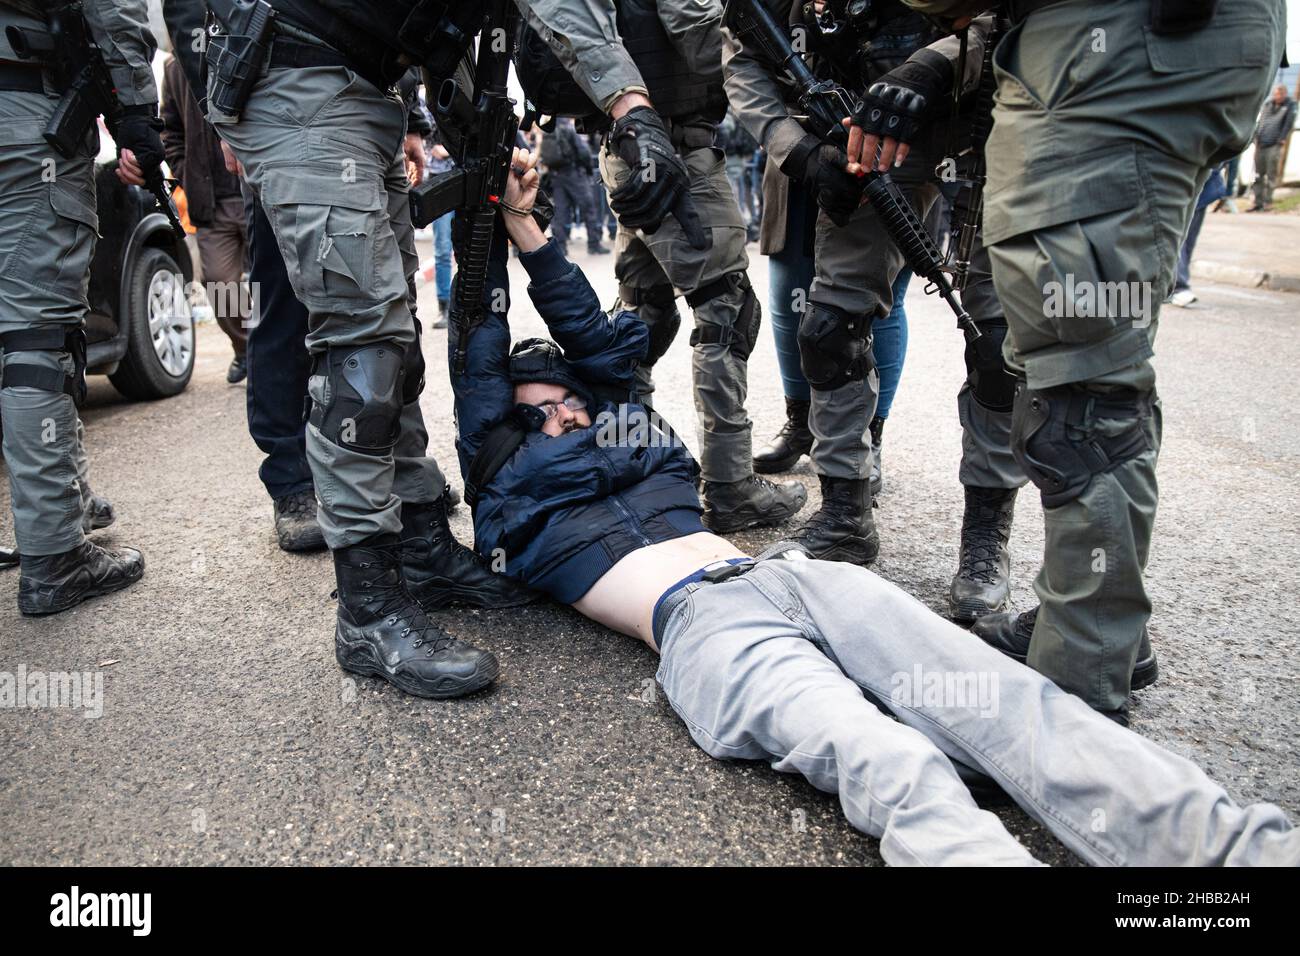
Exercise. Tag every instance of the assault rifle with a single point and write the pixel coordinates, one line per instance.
(78, 68)
(484, 127)
(824, 105)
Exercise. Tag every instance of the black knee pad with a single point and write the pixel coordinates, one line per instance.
(993, 384)
(834, 347)
(70, 342)
(657, 308)
(741, 336)
(1054, 439)
(413, 369)
(365, 387)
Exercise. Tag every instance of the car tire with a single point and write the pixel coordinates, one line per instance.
(159, 357)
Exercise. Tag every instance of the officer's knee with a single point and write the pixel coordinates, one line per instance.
(657, 308)
(740, 336)
(992, 383)
(364, 396)
(1055, 440)
(834, 347)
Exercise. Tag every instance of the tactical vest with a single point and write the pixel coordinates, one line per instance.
(432, 33)
(676, 91)
(867, 40)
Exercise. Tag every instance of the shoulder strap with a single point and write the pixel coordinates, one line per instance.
(497, 448)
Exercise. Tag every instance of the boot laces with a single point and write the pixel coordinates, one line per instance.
(983, 538)
(391, 600)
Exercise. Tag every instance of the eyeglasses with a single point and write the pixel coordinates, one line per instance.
(573, 403)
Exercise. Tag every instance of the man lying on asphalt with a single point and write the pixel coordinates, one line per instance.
(779, 658)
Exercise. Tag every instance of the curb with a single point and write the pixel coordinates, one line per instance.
(1250, 278)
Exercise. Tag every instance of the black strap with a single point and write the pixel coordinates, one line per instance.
(661, 295)
(21, 375)
(286, 54)
(21, 78)
(710, 290)
(497, 448)
(35, 340)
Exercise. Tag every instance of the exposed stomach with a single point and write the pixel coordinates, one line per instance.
(624, 597)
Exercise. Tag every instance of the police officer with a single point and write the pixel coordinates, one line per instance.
(320, 139)
(47, 203)
(652, 68)
(903, 59)
(1079, 200)
(568, 159)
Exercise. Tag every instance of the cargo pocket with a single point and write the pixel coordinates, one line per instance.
(64, 265)
(328, 230)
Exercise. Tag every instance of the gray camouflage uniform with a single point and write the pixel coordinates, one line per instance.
(1104, 133)
(653, 269)
(47, 206)
(322, 148)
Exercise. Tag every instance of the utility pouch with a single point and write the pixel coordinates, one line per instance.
(1181, 16)
(237, 55)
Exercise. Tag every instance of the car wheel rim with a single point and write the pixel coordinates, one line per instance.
(171, 323)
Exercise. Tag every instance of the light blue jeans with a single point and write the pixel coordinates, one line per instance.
(774, 665)
(442, 256)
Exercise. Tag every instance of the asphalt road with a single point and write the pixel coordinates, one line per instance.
(229, 734)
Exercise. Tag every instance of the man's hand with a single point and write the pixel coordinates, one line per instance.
(838, 191)
(129, 172)
(659, 185)
(894, 110)
(413, 147)
(517, 203)
(233, 165)
(137, 133)
(438, 151)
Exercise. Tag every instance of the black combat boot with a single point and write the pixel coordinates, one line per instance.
(877, 430)
(98, 514)
(792, 442)
(441, 572)
(1011, 632)
(982, 584)
(8, 558)
(383, 631)
(51, 583)
(297, 527)
(444, 309)
(843, 528)
(735, 505)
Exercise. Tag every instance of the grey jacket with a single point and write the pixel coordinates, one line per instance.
(1275, 122)
(584, 36)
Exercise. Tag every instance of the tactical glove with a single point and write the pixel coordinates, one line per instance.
(900, 103)
(138, 130)
(822, 167)
(659, 184)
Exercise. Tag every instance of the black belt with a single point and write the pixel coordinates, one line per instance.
(288, 54)
(22, 77)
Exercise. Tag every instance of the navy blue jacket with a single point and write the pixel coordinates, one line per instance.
(564, 509)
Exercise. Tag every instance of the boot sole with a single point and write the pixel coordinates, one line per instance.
(360, 659)
(444, 597)
(740, 520)
(1145, 672)
(302, 547)
(28, 609)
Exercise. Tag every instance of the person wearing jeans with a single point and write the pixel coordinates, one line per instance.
(821, 668)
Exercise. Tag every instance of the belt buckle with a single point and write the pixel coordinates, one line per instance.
(727, 571)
